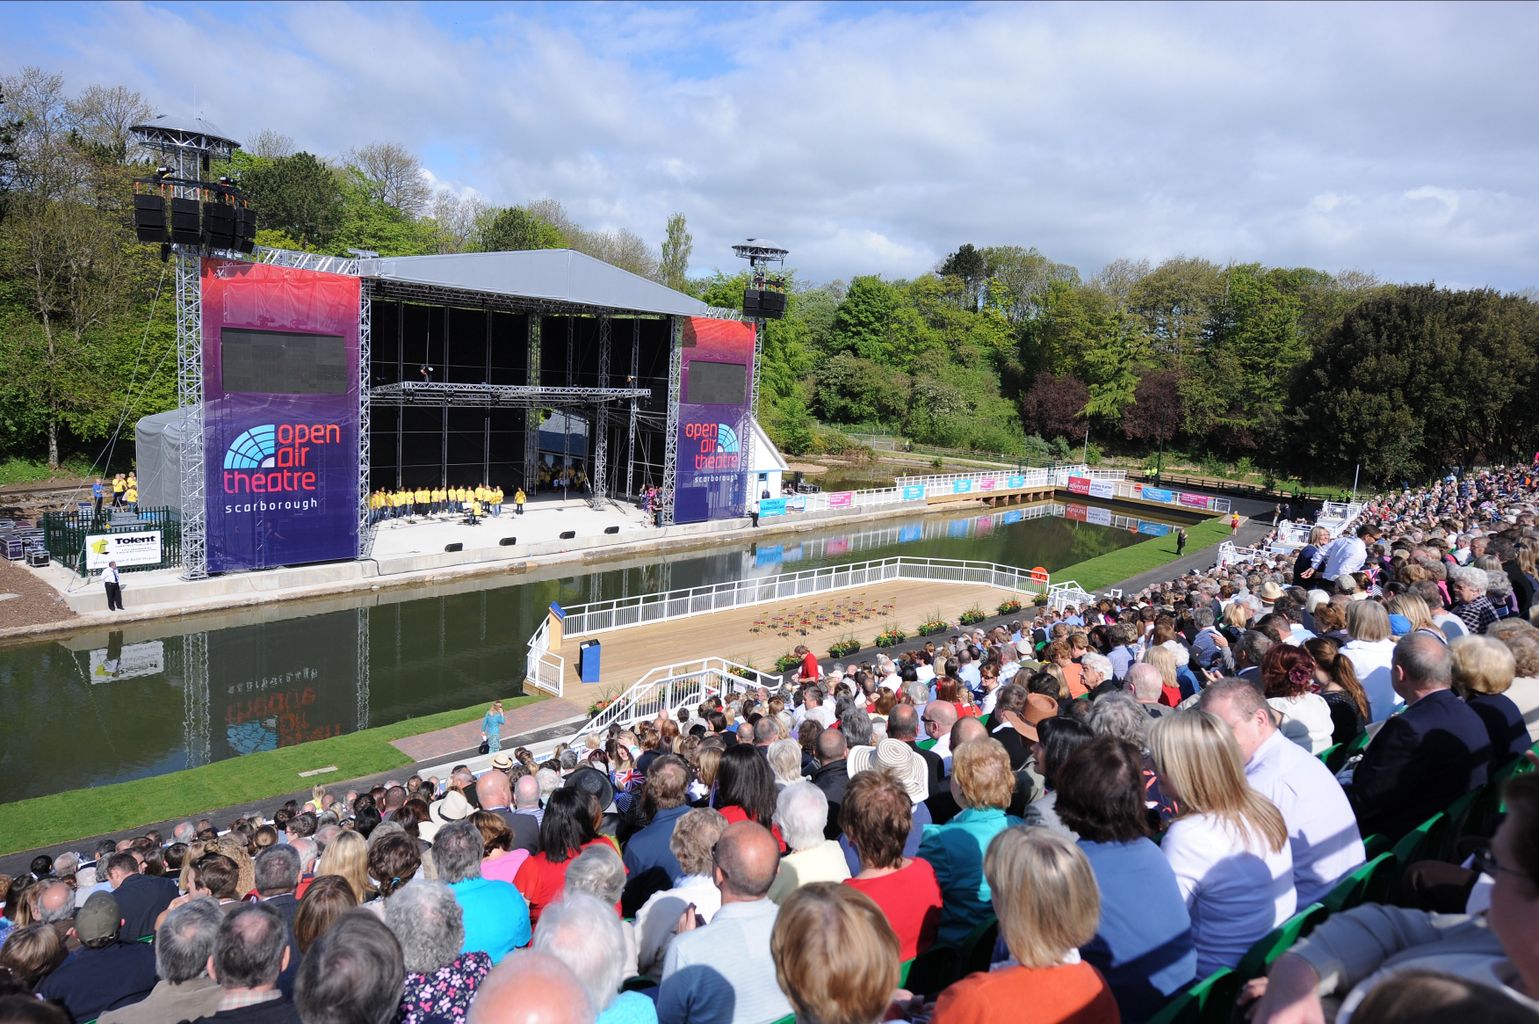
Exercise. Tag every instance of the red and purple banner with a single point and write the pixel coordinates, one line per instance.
(714, 419)
(280, 415)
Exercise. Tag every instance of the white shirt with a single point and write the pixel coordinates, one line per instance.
(1452, 626)
(1307, 720)
(659, 916)
(1370, 659)
(1342, 555)
(723, 973)
(1322, 830)
(1236, 892)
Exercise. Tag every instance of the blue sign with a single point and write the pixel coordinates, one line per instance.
(1015, 481)
(772, 507)
(1159, 494)
(1153, 529)
(961, 486)
(910, 533)
(769, 554)
(1012, 516)
(913, 492)
(959, 528)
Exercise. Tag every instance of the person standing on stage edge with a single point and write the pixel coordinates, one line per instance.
(97, 494)
(491, 727)
(114, 584)
(518, 501)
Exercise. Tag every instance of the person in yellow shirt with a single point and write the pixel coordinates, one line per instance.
(518, 501)
(118, 487)
(422, 497)
(475, 510)
(497, 501)
(440, 500)
(131, 497)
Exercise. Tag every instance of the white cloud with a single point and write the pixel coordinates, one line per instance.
(872, 139)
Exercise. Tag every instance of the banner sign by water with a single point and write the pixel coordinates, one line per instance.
(1013, 516)
(986, 484)
(1015, 481)
(1100, 516)
(714, 419)
(139, 548)
(841, 499)
(796, 503)
(1103, 489)
(961, 486)
(1079, 485)
(772, 507)
(1153, 529)
(1194, 500)
(913, 492)
(130, 661)
(1157, 494)
(280, 416)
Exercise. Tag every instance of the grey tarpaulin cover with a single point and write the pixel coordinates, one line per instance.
(157, 458)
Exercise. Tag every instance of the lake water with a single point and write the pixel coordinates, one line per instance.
(102, 707)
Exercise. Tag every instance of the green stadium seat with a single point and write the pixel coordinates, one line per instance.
(1374, 845)
(1419, 843)
(925, 744)
(1368, 884)
(1279, 940)
(1344, 751)
(1207, 1001)
(903, 969)
(1329, 752)
(789, 1018)
(1459, 815)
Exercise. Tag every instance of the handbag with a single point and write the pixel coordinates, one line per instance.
(485, 747)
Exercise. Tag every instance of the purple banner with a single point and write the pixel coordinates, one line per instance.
(1194, 500)
(714, 419)
(280, 415)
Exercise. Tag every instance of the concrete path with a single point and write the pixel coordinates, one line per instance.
(531, 719)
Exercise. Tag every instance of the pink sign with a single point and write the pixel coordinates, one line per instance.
(1194, 500)
(987, 483)
(841, 499)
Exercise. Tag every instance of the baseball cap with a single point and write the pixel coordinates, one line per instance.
(99, 919)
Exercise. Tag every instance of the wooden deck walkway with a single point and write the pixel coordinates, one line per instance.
(749, 636)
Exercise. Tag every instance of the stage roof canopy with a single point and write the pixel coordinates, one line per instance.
(552, 275)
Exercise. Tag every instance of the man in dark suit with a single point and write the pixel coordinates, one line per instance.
(1427, 756)
(649, 861)
(494, 792)
(277, 876)
(832, 775)
(141, 898)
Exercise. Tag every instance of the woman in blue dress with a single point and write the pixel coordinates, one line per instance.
(491, 727)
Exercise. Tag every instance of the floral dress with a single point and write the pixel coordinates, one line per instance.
(445, 993)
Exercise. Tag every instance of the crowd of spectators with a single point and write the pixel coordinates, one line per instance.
(1128, 795)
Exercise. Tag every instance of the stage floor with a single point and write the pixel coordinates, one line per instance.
(544, 519)
(750, 635)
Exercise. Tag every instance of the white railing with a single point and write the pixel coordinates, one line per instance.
(542, 667)
(1060, 595)
(942, 483)
(1229, 554)
(667, 688)
(620, 613)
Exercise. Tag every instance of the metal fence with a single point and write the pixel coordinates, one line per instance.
(684, 684)
(545, 669)
(65, 534)
(620, 613)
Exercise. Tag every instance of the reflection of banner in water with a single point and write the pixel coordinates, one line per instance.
(1099, 516)
(1078, 513)
(772, 507)
(913, 492)
(910, 533)
(983, 526)
(132, 661)
(769, 554)
(1012, 516)
(837, 546)
(959, 528)
(1153, 529)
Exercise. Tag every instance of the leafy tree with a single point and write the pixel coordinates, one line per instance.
(673, 268)
(1055, 405)
(968, 266)
(100, 117)
(1155, 415)
(298, 195)
(369, 222)
(269, 144)
(863, 325)
(1018, 279)
(517, 228)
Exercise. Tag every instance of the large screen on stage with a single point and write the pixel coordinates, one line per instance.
(714, 419)
(280, 415)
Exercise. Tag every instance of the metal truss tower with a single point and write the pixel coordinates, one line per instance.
(630, 446)
(532, 418)
(365, 440)
(671, 433)
(600, 439)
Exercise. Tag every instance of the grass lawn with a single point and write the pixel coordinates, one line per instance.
(46, 820)
(1103, 570)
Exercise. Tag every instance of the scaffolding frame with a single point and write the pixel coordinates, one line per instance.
(600, 445)
(365, 361)
(532, 417)
(499, 396)
(630, 468)
(671, 432)
(195, 698)
(189, 396)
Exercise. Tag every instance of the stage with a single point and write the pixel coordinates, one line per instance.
(752, 637)
(544, 520)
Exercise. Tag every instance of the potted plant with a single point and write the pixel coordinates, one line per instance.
(971, 615)
(890, 636)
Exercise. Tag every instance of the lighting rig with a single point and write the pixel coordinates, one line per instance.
(765, 296)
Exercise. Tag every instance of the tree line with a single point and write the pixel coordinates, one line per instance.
(997, 349)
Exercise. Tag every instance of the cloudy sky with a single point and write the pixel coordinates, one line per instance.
(874, 138)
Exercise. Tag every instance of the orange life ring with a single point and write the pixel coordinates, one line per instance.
(1039, 574)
